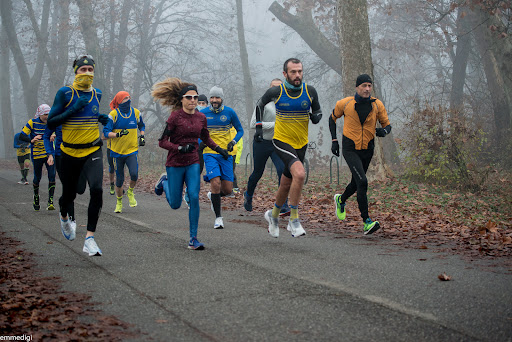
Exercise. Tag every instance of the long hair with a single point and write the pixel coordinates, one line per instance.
(167, 92)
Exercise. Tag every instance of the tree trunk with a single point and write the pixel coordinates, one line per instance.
(120, 47)
(500, 94)
(304, 25)
(460, 63)
(141, 52)
(356, 60)
(5, 97)
(29, 83)
(92, 47)
(248, 90)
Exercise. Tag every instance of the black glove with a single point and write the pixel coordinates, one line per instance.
(186, 148)
(258, 136)
(202, 146)
(142, 140)
(380, 132)
(335, 148)
(103, 119)
(123, 132)
(315, 118)
(222, 152)
(231, 145)
(80, 103)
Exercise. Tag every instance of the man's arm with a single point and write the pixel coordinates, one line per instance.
(316, 111)
(59, 114)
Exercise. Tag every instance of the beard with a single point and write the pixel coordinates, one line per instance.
(297, 81)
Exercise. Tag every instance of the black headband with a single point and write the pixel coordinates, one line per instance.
(184, 90)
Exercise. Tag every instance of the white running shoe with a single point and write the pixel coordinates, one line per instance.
(209, 195)
(91, 247)
(73, 224)
(295, 228)
(219, 223)
(273, 224)
(67, 229)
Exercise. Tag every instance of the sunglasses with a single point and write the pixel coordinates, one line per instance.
(191, 97)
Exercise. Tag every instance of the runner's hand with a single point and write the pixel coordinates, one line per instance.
(142, 140)
(335, 148)
(380, 132)
(258, 136)
(315, 118)
(231, 145)
(123, 132)
(80, 103)
(186, 148)
(103, 119)
(222, 152)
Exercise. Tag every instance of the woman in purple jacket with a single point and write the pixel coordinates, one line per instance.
(184, 127)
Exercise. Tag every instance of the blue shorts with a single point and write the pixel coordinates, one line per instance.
(216, 166)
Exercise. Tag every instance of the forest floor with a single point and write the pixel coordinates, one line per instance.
(412, 215)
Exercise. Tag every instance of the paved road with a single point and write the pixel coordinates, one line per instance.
(247, 286)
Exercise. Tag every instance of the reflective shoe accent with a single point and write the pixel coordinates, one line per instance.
(209, 195)
(295, 228)
(186, 199)
(36, 203)
(67, 229)
(112, 189)
(159, 186)
(247, 201)
(50, 204)
(370, 227)
(119, 206)
(273, 224)
(219, 223)
(131, 198)
(195, 244)
(285, 210)
(91, 247)
(340, 208)
(236, 190)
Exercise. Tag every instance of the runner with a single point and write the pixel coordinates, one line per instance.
(219, 169)
(76, 108)
(361, 113)
(33, 132)
(296, 103)
(262, 149)
(23, 155)
(183, 128)
(122, 126)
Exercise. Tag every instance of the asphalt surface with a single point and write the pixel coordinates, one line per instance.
(247, 286)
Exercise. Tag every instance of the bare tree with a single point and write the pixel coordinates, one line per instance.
(5, 96)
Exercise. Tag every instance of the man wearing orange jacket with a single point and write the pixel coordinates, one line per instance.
(361, 113)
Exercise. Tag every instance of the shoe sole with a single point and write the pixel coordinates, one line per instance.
(373, 229)
(301, 234)
(218, 227)
(200, 248)
(85, 250)
(268, 218)
(134, 205)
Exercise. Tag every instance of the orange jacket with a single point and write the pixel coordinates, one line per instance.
(361, 135)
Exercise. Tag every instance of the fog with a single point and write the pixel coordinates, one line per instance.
(416, 51)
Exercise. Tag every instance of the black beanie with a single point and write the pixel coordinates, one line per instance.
(202, 97)
(81, 61)
(363, 78)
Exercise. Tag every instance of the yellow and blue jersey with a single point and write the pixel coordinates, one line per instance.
(292, 117)
(127, 144)
(81, 127)
(32, 128)
(220, 123)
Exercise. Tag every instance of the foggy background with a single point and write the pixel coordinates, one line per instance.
(417, 48)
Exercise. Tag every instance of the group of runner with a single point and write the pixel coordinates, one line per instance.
(67, 135)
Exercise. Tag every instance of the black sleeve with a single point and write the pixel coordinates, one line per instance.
(24, 137)
(269, 96)
(315, 103)
(332, 127)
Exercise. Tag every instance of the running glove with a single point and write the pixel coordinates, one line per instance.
(142, 140)
(123, 132)
(258, 136)
(335, 148)
(380, 132)
(186, 148)
(103, 119)
(315, 117)
(231, 145)
(80, 103)
(202, 146)
(222, 152)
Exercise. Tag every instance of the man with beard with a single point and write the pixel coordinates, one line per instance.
(219, 169)
(296, 104)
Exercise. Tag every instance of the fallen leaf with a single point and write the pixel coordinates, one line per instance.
(444, 277)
